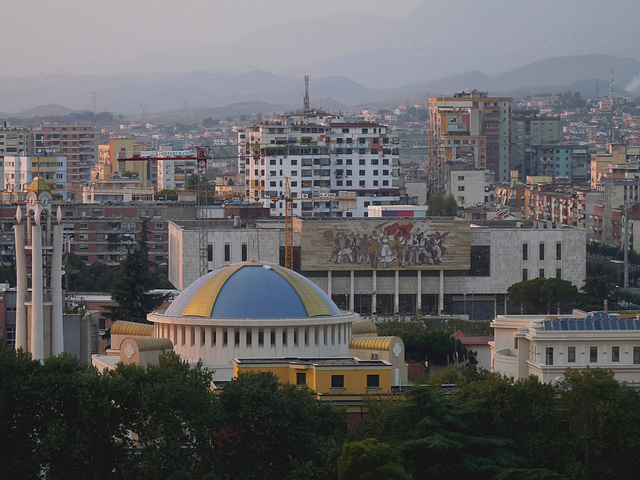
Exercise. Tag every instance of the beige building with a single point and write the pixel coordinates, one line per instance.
(546, 346)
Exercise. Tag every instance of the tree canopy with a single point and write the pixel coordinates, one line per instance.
(439, 206)
(542, 295)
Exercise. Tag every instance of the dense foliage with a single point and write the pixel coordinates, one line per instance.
(69, 421)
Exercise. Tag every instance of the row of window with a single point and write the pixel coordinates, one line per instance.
(541, 251)
(337, 381)
(541, 273)
(593, 355)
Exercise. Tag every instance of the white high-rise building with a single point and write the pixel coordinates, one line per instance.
(324, 158)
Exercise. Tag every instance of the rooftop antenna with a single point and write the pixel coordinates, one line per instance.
(306, 94)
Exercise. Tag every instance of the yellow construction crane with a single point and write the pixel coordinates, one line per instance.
(288, 218)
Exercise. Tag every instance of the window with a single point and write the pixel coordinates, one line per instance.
(541, 275)
(84, 226)
(337, 381)
(558, 251)
(558, 273)
(615, 354)
(541, 251)
(480, 261)
(362, 183)
(362, 161)
(549, 356)
(636, 355)
(301, 379)
(571, 355)
(593, 354)
(525, 251)
(461, 188)
(461, 178)
(244, 252)
(373, 381)
(227, 252)
(361, 172)
(525, 275)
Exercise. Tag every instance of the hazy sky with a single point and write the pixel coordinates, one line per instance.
(97, 36)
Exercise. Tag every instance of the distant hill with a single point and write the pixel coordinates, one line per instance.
(223, 94)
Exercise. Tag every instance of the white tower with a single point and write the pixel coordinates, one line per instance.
(39, 327)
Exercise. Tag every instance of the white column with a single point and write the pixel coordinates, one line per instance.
(37, 295)
(375, 293)
(329, 285)
(21, 289)
(57, 331)
(419, 299)
(352, 288)
(441, 296)
(396, 293)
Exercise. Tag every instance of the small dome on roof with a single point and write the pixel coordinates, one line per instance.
(253, 290)
(38, 185)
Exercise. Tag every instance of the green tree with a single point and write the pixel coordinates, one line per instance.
(603, 418)
(19, 414)
(437, 438)
(595, 291)
(436, 346)
(435, 206)
(450, 207)
(133, 282)
(192, 182)
(524, 412)
(542, 295)
(75, 422)
(166, 413)
(369, 459)
(278, 426)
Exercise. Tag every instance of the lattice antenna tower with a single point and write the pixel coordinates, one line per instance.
(306, 94)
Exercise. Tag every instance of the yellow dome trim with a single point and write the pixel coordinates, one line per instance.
(121, 327)
(147, 344)
(201, 304)
(313, 303)
(363, 327)
(371, 343)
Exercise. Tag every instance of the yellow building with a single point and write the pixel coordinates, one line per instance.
(617, 155)
(343, 381)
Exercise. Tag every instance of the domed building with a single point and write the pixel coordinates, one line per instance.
(253, 309)
(256, 316)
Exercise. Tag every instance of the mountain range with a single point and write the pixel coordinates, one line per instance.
(199, 93)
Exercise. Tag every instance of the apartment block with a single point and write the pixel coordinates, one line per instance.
(324, 158)
(75, 142)
(468, 127)
(528, 129)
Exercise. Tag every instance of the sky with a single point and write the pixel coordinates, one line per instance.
(99, 36)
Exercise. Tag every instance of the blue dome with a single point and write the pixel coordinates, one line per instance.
(253, 290)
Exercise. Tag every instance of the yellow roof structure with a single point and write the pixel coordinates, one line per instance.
(364, 327)
(133, 329)
(148, 344)
(371, 343)
(38, 185)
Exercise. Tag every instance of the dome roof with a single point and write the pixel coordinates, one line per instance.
(252, 290)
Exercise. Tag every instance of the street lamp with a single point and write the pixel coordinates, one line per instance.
(617, 262)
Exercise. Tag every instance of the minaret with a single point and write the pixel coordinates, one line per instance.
(39, 326)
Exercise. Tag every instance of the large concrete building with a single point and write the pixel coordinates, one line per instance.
(471, 127)
(323, 158)
(395, 265)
